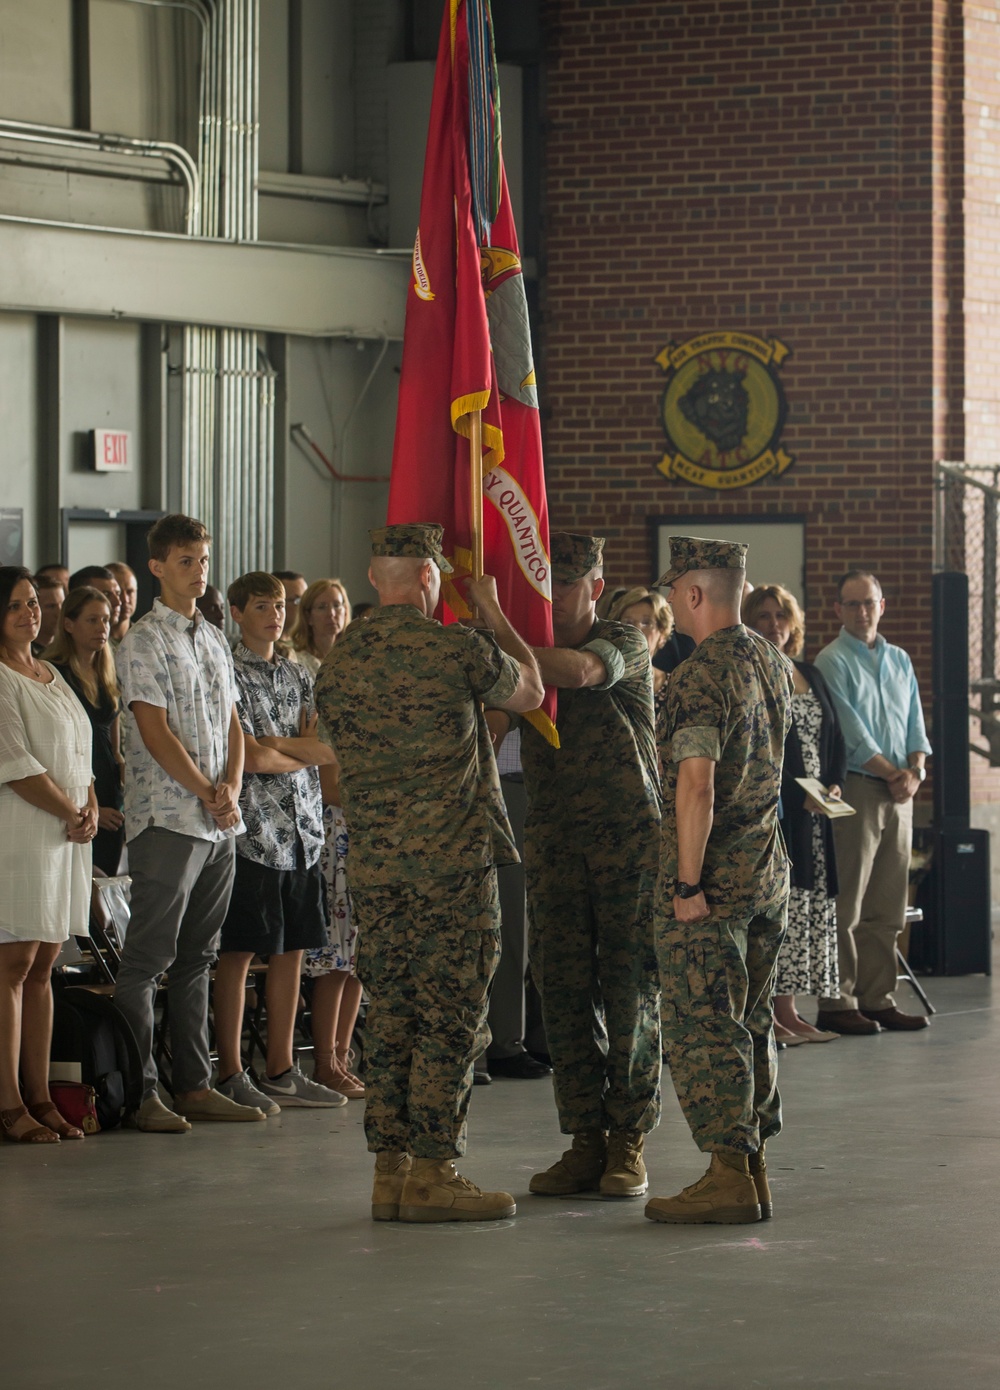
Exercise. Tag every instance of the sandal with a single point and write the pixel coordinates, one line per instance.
(37, 1134)
(62, 1126)
(324, 1069)
(344, 1079)
(348, 1085)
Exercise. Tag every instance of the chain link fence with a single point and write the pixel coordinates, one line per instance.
(966, 536)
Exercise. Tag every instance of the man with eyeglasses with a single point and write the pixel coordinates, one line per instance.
(878, 704)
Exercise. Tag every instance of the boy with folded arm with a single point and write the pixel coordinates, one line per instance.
(276, 909)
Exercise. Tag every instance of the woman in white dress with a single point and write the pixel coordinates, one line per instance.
(48, 818)
(324, 612)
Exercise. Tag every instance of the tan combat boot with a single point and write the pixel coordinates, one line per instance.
(391, 1167)
(434, 1191)
(758, 1171)
(725, 1196)
(624, 1173)
(579, 1170)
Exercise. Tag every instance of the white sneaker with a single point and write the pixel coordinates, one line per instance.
(293, 1089)
(215, 1107)
(242, 1090)
(153, 1117)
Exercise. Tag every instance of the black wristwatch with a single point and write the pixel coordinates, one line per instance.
(687, 890)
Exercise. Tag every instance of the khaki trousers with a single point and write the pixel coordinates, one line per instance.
(873, 865)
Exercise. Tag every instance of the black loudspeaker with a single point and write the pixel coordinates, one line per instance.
(950, 714)
(949, 738)
(950, 634)
(955, 935)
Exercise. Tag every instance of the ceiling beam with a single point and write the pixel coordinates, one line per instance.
(57, 268)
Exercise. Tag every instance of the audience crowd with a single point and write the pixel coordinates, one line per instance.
(184, 746)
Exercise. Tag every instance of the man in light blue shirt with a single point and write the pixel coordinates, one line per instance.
(875, 693)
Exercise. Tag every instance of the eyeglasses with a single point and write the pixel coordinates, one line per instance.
(856, 604)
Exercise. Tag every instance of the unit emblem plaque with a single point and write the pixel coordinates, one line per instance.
(723, 410)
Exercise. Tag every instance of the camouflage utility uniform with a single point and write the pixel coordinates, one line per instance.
(399, 699)
(731, 702)
(591, 842)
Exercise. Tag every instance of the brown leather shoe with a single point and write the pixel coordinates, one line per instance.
(850, 1022)
(896, 1021)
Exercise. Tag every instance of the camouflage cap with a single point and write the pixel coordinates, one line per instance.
(574, 556)
(421, 540)
(695, 553)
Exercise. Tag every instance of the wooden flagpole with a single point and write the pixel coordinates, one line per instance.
(476, 490)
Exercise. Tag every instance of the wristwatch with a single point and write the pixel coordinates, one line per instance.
(921, 773)
(687, 890)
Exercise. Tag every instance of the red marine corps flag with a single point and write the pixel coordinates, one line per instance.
(467, 352)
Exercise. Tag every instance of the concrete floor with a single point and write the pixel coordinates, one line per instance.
(245, 1257)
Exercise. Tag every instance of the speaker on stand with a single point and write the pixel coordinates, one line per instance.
(955, 937)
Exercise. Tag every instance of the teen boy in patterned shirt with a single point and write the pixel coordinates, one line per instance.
(276, 909)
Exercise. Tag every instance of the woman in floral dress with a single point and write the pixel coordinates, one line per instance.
(814, 748)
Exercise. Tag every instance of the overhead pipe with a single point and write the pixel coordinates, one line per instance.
(198, 8)
(175, 155)
(302, 431)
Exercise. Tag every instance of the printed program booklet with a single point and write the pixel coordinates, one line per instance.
(831, 806)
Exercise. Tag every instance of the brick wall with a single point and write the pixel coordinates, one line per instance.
(794, 170)
(980, 125)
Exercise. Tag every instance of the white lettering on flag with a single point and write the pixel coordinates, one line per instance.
(522, 523)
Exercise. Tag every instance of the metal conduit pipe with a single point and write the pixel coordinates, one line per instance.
(242, 457)
(235, 106)
(229, 521)
(198, 9)
(252, 181)
(236, 507)
(208, 421)
(254, 388)
(227, 448)
(250, 124)
(209, 126)
(175, 155)
(226, 445)
(268, 395)
(250, 476)
(226, 174)
(229, 384)
(239, 100)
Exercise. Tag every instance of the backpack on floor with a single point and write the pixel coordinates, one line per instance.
(88, 1030)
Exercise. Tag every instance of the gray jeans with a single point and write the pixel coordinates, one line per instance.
(180, 893)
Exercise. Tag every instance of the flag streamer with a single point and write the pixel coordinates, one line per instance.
(467, 365)
(484, 118)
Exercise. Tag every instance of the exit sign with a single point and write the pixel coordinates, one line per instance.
(112, 451)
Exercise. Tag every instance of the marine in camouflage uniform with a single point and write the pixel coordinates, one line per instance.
(717, 937)
(591, 845)
(399, 697)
